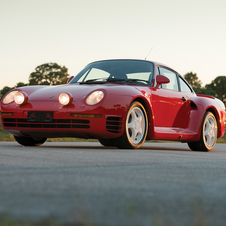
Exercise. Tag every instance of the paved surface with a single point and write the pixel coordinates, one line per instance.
(159, 184)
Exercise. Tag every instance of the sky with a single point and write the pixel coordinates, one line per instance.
(189, 36)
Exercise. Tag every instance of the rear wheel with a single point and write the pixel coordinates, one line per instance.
(208, 134)
(135, 127)
(30, 141)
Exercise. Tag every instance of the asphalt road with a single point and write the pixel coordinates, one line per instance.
(159, 184)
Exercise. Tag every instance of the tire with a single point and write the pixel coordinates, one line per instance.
(135, 128)
(29, 141)
(208, 134)
(107, 143)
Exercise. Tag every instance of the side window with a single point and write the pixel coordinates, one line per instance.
(172, 76)
(184, 87)
(156, 73)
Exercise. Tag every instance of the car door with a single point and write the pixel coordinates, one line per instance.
(169, 105)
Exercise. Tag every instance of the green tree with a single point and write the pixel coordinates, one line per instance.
(20, 84)
(49, 74)
(217, 88)
(207, 90)
(194, 81)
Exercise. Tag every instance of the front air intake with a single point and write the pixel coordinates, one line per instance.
(56, 123)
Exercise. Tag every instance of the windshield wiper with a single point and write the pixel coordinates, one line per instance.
(103, 80)
(115, 79)
(94, 80)
(137, 80)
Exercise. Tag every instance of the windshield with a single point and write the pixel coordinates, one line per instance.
(123, 71)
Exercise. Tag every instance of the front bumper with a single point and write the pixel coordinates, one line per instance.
(64, 125)
(78, 121)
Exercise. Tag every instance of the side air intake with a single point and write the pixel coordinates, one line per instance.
(114, 124)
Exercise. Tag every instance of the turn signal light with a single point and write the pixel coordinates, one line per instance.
(7, 114)
(86, 115)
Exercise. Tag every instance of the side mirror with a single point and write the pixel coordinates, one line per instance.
(70, 79)
(161, 79)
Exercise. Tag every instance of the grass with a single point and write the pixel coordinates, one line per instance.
(197, 217)
(5, 136)
(199, 220)
(222, 139)
(7, 220)
(11, 222)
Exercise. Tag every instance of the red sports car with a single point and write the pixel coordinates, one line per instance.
(121, 103)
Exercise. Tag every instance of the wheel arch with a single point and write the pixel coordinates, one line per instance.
(217, 116)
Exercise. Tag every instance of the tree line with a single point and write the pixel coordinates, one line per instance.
(54, 74)
(216, 88)
(45, 74)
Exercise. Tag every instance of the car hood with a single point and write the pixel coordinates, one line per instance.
(51, 93)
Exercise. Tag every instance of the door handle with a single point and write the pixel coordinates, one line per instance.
(183, 99)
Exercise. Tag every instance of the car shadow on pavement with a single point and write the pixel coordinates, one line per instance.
(148, 148)
(96, 145)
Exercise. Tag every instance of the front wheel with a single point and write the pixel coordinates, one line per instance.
(136, 127)
(208, 134)
(30, 141)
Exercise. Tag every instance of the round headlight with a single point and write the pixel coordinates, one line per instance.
(20, 98)
(95, 97)
(65, 99)
(9, 97)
